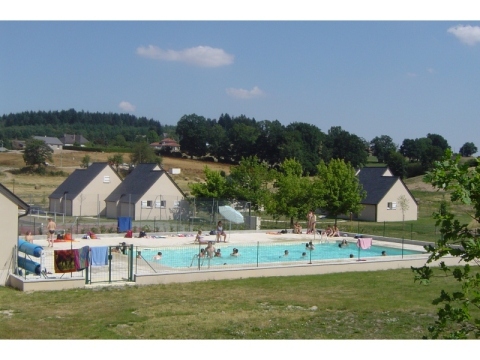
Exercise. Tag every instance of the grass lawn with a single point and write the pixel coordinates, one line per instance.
(369, 305)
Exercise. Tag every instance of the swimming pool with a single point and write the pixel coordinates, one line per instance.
(265, 253)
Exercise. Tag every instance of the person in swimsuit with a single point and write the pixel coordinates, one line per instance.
(220, 232)
(51, 226)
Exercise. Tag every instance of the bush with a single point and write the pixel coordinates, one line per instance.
(102, 229)
(415, 169)
(94, 230)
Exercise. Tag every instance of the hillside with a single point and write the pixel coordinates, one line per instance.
(68, 161)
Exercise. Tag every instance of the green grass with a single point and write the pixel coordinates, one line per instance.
(370, 305)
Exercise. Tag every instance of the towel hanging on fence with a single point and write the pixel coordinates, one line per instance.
(81, 257)
(64, 261)
(99, 255)
(364, 243)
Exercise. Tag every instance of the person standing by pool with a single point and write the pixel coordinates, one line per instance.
(309, 221)
(221, 232)
(51, 226)
(313, 221)
(210, 249)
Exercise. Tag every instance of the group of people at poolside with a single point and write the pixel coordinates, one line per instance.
(219, 232)
(311, 225)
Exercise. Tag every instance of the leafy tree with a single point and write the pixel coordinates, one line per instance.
(249, 181)
(382, 146)
(218, 143)
(215, 185)
(37, 152)
(456, 319)
(409, 149)
(438, 141)
(243, 137)
(193, 133)
(270, 140)
(152, 136)
(85, 162)
(397, 164)
(468, 149)
(142, 152)
(340, 144)
(338, 187)
(116, 160)
(292, 195)
(119, 141)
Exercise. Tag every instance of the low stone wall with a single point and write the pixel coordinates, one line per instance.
(21, 284)
(296, 270)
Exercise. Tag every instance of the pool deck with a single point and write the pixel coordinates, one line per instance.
(235, 238)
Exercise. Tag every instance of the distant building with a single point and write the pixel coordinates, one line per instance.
(383, 193)
(53, 142)
(84, 191)
(167, 142)
(147, 193)
(70, 140)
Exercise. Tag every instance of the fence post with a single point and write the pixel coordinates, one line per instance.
(130, 261)
(384, 224)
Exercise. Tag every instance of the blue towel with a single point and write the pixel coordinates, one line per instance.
(124, 223)
(99, 255)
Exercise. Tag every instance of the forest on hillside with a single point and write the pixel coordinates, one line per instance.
(228, 139)
(98, 128)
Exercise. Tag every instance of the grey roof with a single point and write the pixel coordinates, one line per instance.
(78, 180)
(375, 183)
(13, 198)
(137, 183)
(72, 139)
(49, 140)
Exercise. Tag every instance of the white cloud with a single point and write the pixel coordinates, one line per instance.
(126, 106)
(203, 56)
(466, 34)
(244, 94)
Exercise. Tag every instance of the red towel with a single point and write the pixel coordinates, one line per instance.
(364, 243)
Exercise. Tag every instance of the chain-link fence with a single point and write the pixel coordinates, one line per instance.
(121, 262)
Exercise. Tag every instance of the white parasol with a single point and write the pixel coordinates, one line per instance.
(231, 214)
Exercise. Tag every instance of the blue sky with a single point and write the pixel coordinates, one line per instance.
(398, 78)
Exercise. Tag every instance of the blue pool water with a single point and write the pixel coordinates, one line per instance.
(265, 253)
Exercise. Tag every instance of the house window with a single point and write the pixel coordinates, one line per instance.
(146, 204)
(106, 179)
(176, 203)
(160, 204)
(392, 206)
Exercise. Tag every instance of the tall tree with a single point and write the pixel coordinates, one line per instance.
(215, 185)
(339, 188)
(142, 152)
(292, 192)
(468, 149)
(249, 181)
(340, 144)
(458, 318)
(381, 147)
(397, 164)
(37, 152)
(192, 131)
(116, 160)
